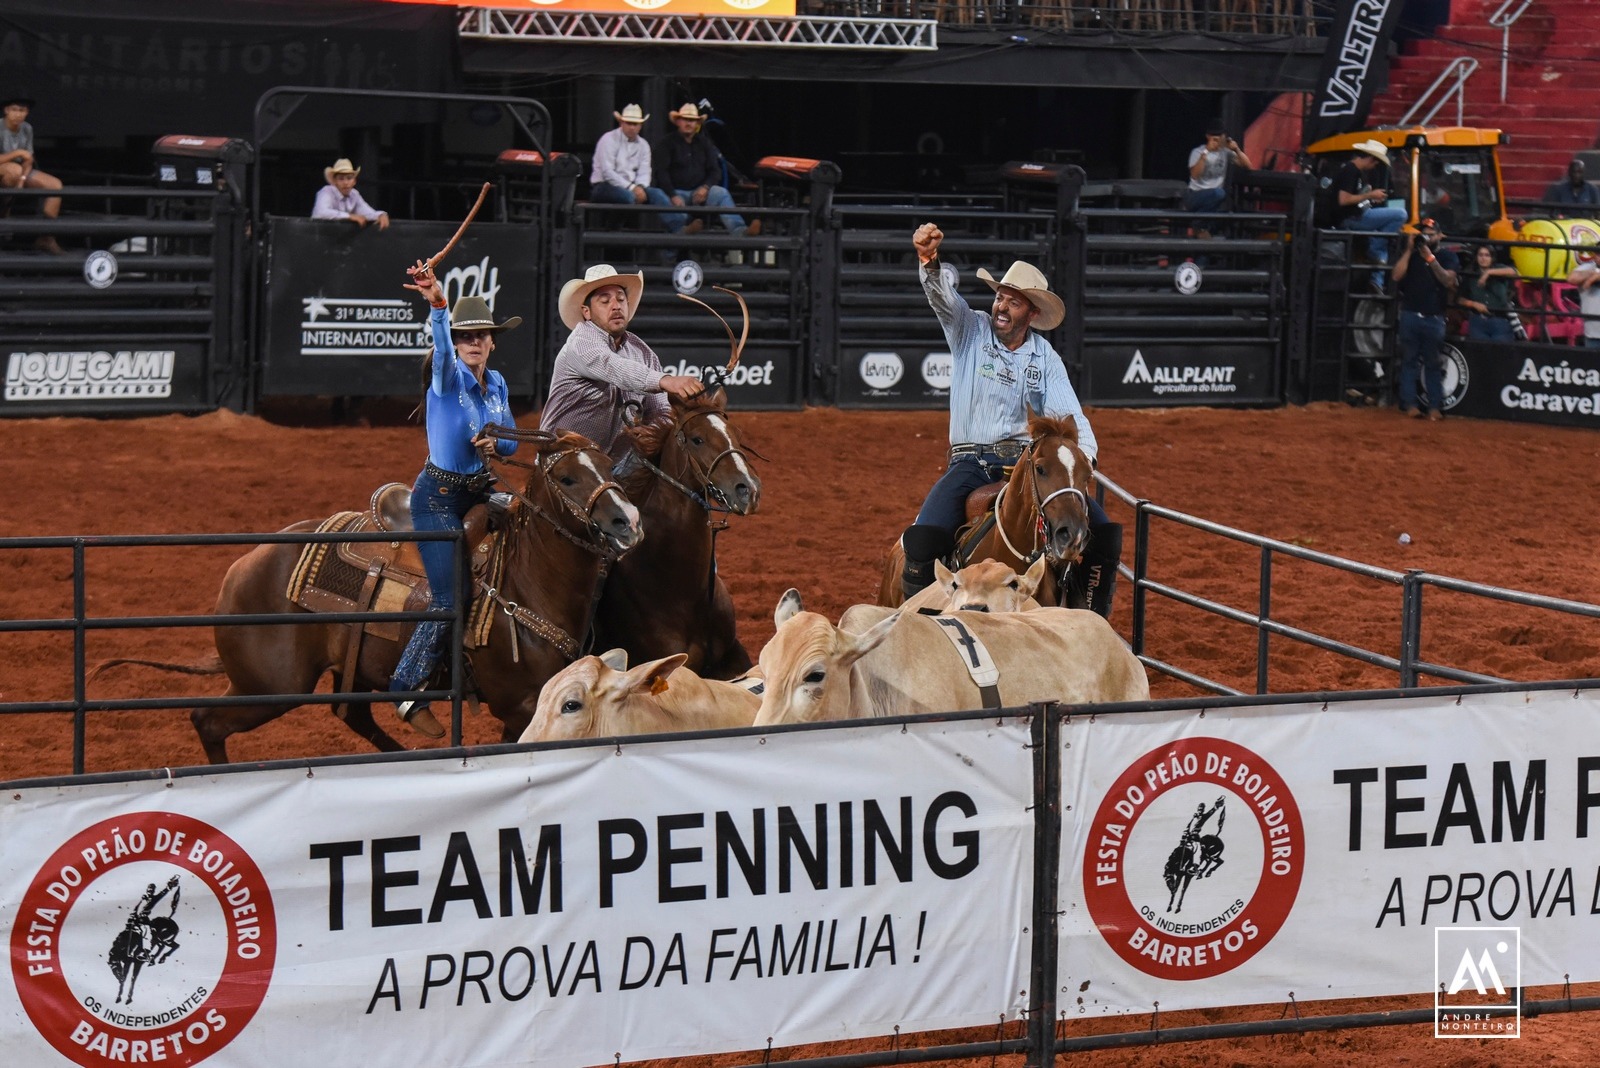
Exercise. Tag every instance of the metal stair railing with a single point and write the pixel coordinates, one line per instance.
(1459, 69)
(1505, 17)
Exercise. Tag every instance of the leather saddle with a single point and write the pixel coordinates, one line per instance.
(390, 510)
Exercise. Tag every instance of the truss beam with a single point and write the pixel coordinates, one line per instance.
(579, 27)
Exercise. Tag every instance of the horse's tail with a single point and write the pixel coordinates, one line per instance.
(211, 665)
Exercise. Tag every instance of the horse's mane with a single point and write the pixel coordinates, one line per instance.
(1044, 426)
(715, 400)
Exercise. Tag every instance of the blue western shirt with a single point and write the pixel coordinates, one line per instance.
(459, 408)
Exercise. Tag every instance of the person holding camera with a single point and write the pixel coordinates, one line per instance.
(1425, 278)
(1208, 171)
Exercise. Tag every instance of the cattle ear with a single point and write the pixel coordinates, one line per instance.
(789, 606)
(859, 645)
(652, 677)
(1029, 586)
(942, 574)
(615, 659)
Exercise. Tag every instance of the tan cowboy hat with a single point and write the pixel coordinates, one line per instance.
(472, 313)
(575, 292)
(1373, 149)
(631, 113)
(340, 166)
(688, 111)
(1028, 280)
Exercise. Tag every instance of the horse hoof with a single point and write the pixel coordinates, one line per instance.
(421, 720)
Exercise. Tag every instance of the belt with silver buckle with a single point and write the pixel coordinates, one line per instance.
(476, 482)
(1006, 450)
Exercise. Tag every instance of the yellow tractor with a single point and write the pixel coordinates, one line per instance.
(1452, 173)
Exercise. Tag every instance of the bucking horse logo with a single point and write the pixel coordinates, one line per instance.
(1196, 856)
(145, 939)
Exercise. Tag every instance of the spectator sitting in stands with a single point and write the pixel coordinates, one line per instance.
(1584, 276)
(339, 199)
(622, 168)
(1362, 207)
(689, 167)
(17, 169)
(1574, 191)
(1208, 171)
(1485, 292)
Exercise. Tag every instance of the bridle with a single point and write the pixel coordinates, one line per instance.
(1040, 501)
(547, 462)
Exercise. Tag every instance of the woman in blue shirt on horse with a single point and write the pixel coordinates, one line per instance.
(463, 396)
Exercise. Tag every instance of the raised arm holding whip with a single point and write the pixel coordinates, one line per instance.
(461, 398)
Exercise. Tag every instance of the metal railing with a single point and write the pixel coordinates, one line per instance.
(1461, 68)
(80, 623)
(1505, 16)
(1409, 664)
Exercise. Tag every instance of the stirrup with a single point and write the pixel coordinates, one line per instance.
(419, 717)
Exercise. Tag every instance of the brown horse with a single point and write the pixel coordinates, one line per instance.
(665, 596)
(1041, 510)
(567, 520)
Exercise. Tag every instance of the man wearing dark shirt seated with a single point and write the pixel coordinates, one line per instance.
(689, 167)
(1425, 277)
(1574, 191)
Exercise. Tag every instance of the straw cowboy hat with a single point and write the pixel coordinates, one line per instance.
(1373, 149)
(1028, 280)
(340, 166)
(631, 113)
(575, 292)
(472, 313)
(688, 111)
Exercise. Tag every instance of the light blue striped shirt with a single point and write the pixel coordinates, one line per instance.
(990, 385)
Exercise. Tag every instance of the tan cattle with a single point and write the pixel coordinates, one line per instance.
(984, 586)
(600, 697)
(906, 664)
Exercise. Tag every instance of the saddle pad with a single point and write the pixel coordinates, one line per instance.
(974, 657)
(325, 581)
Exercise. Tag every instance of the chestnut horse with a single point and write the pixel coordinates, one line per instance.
(1041, 510)
(665, 596)
(564, 523)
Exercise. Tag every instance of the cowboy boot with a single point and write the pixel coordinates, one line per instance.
(416, 664)
(923, 544)
(1099, 567)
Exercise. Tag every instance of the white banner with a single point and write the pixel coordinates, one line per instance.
(1230, 857)
(550, 908)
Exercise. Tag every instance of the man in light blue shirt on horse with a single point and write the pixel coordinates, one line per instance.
(1001, 369)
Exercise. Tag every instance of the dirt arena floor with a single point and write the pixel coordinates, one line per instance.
(1495, 503)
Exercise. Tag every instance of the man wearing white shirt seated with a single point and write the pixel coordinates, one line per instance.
(621, 173)
(339, 199)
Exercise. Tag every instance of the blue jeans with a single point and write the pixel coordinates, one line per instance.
(946, 503)
(434, 506)
(716, 197)
(1489, 328)
(606, 193)
(1420, 338)
(1204, 199)
(1382, 220)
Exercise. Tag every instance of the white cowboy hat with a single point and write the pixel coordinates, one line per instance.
(1373, 149)
(575, 292)
(1028, 280)
(631, 113)
(340, 166)
(688, 111)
